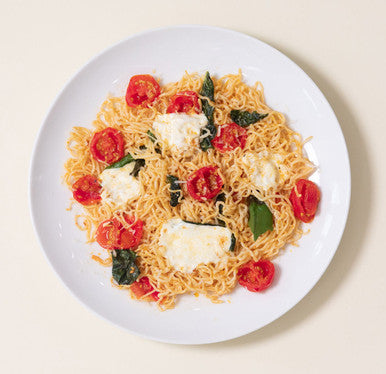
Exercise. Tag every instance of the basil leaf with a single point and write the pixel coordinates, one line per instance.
(207, 88)
(220, 198)
(125, 271)
(174, 195)
(233, 243)
(244, 118)
(121, 162)
(151, 136)
(139, 163)
(206, 143)
(260, 217)
(153, 139)
(208, 110)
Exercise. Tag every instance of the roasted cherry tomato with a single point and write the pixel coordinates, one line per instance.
(142, 90)
(256, 276)
(112, 234)
(107, 145)
(142, 287)
(229, 137)
(205, 183)
(184, 102)
(305, 198)
(87, 190)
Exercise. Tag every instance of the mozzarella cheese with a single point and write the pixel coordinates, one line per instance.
(179, 130)
(187, 245)
(265, 170)
(118, 185)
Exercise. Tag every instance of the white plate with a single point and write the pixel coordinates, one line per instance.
(169, 52)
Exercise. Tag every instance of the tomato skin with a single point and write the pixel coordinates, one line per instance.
(141, 287)
(130, 237)
(256, 276)
(142, 90)
(107, 145)
(205, 183)
(111, 234)
(87, 190)
(305, 197)
(229, 137)
(184, 102)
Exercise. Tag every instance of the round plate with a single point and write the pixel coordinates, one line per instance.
(167, 53)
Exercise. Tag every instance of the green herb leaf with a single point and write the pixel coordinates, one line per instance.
(260, 217)
(221, 199)
(244, 118)
(151, 136)
(125, 271)
(206, 143)
(233, 243)
(122, 162)
(207, 88)
(174, 195)
(139, 163)
(207, 109)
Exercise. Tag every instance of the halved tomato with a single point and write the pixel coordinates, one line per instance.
(142, 90)
(184, 102)
(256, 276)
(142, 287)
(205, 183)
(107, 145)
(87, 190)
(305, 197)
(112, 234)
(229, 137)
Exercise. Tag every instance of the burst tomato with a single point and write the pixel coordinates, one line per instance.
(256, 276)
(142, 287)
(184, 102)
(205, 183)
(142, 90)
(107, 145)
(305, 198)
(86, 190)
(112, 234)
(229, 137)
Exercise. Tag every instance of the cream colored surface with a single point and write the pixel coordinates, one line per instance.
(340, 326)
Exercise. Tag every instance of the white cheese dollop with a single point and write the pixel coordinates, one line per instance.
(265, 170)
(187, 245)
(179, 130)
(118, 185)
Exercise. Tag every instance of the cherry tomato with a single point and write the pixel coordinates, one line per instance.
(205, 183)
(305, 198)
(256, 276)
(184, 102)
(107, 145)
(142, 90)
(142, 287)
(229, 137)
(86, 190)
(111, 234)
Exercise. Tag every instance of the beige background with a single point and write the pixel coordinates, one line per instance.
(339, 327)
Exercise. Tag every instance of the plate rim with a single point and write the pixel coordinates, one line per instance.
(44, 124)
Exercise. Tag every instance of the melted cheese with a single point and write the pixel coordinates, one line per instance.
(119, 185)
(179, 130)
(265, 170)
(187, 245)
